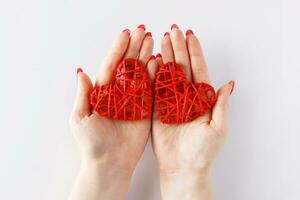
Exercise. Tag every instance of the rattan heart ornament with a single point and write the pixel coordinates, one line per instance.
(176, 100)
(128, 96)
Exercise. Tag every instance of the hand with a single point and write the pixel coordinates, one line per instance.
(185, 152)
(110, 148)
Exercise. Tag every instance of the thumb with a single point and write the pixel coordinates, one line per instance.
(82, 105)
(220, 110)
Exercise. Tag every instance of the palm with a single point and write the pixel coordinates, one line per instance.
(109, 139)
(191, 145)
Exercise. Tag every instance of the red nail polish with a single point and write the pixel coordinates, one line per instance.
(126, 30)
(232, 86)
(158, 55)
(149, 34)
(79, 70)
(152, 57)
(166, 33)
(174, 26)
(189, 32)
(142, 26)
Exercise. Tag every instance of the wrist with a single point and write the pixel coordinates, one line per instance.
(113, 181)
(107, 165)
(186, 184)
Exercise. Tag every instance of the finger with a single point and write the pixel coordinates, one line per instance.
(152, 68)
(180, 50)
(198, 65)
(113, 58)
(167, 49)
(159, 62)
(220, 110)
(82, 106)
(136, 41)
(146, 49)
(159, 59)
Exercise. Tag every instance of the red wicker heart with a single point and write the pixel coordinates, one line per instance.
(128, 96)
(178, 101)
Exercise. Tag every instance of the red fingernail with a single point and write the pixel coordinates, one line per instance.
(189, 32)
(158, 55)
(149, 34)
(79, 70)
(142, 26)
(232, 86)
(174, 26)
(166, 33)
(152, 57)
(126, 30)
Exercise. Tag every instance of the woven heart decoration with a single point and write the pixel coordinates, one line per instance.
(128, 96)
(178, 101)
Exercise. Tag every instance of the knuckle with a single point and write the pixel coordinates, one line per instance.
(75, 118)
(72, 121)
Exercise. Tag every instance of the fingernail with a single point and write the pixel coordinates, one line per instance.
(174, 26)
(79, 70)
(158, 55)
(149, 34)
(166, 33)
(142, 26)
(126, 30)
(189, 32)
(152, 57)
(232, 86)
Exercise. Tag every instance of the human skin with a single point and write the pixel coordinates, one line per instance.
(185, 152)
(110, 148)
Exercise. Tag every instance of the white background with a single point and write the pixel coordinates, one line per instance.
(253, 42)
